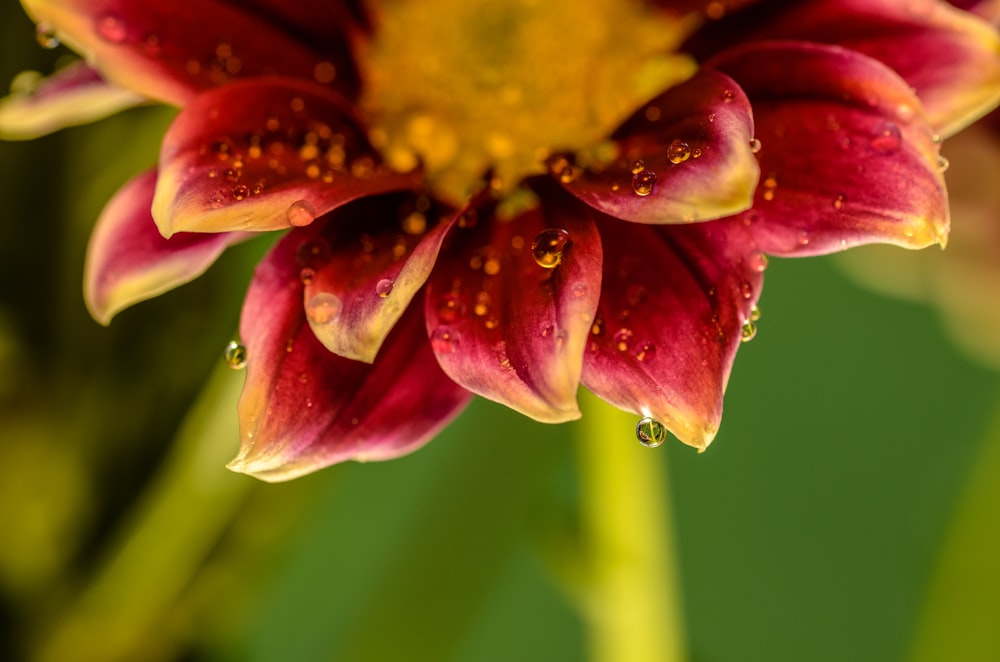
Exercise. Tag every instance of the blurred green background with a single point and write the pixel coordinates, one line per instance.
(837, 516)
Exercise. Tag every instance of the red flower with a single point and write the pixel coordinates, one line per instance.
(627, 259)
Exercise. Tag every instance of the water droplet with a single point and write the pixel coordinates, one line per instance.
(548, 247)
(383, 287)
(643, 182)
(444, 340)
(942, 163)
(240, 191)
(678, 151)
(650, 432)
(300, 213)
(886, 138)
(749, 330)
(111, 28)
(728, 96)
(323, 308)
(754, 313)
(637, 166)
(235, 355)
(307, 275)
(45, 34)
(597, 328)
(759, 261)
(746, 289)
(838, 202)
(755, 145)
(450, 308)
(622, 339)
(803, 238)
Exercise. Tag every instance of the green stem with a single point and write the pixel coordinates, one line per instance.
(633, 607)
(959, 619)
(162, 545)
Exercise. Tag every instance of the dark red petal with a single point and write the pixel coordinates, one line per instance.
(304, 408)
(75, 94)
(847, 155)
(362, 265)
(951, 58)
(129, 261)
(506, 327)
(241, 156)
(170, 50)
(674, 300)
(683, 157)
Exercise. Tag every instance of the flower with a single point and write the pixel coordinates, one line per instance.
(511, 199)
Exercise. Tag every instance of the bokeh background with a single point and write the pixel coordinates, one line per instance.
(848, 509)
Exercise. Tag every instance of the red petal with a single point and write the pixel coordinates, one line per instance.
(507, 328)
(170, 51)
(674, 300)
(362, 265)
(950, 57)
(75, 94)
(304, 408)
(683, 157)
(239, 158)
(129, 261)
(847, 155)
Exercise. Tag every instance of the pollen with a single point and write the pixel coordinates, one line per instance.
(470, 87)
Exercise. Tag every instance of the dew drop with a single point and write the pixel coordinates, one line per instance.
(45, 34)
(235, 355)
(838, 202)
(746, 289)
(646, 352)
(450, 308)
(754, 313)
(622, 339)
(240, 191)
(803, 238)
(886, 138)
(300, 213)
(942, 163)
(323, 308)
(307, 275)
(111, 28)
(637, 166)
(643, 182)
(444, 340)
(383, 287)
(650, 432)
(755, 145)
(749, 330)
(678, 151)
(759, 261)
(548, 247)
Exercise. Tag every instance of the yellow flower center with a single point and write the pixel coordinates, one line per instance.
(466, 87)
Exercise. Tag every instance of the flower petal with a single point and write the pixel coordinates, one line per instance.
(304, 408)
(683, 157)
(847, 155)
(76, 94)
(129, 261)
(170, 51)
(362, 265)
(674, 300)
(239, 157)
(507, 328)
(950, 57)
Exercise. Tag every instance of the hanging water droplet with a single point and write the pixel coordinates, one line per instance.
(942, 163)
(759, 261)
(323, 308)
(678, 151)
(650, 432)
(643, 182)
(755, 145)
(754, 313)
(46, 37)
(749, 330)
(444, 340)
(886, 138)
(548, 247)
(111, 28)
(235, 355)
(383, 287)
(300, 213)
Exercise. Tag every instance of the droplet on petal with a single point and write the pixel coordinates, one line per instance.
(643, 182)
(444, 340)
(45, 34)
(383, 287)
(111, 28)
(650, 432)
(838, 202)
(942, 163)
(300, 213)
(548, 247)
(323, 308)
(754, 313)
(755, 145)
(886, 138)
(646, 352)
(622, 339)
(637, 166)
(678, 152)
(235, 355)
(749, 330)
